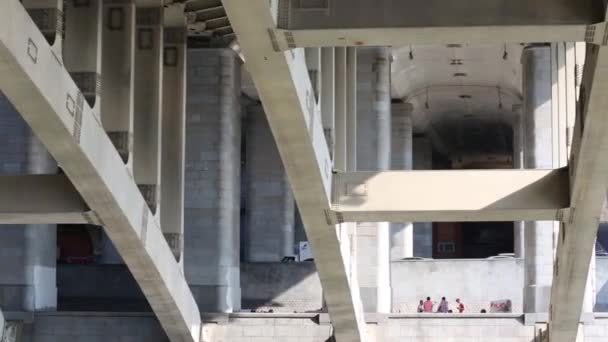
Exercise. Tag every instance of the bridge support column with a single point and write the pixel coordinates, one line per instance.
(212, 205)
(538, 154)
(402, 234)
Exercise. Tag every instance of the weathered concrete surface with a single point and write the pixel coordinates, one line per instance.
(286, 93)
(173, 140)
(51, 103)
(93, 327)
(212, 193)
(588, 191)
(362, 23)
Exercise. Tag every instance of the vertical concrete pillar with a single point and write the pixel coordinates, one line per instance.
(118, 77)
(148, 103)
(313, 62)
(382, 110)
(212, 192)
(48, 16)
(351, 109)
(341, 110)
(373, 154)
(538, 154)
(28, 253)
(82, 47)
(328, 96)
(518, 163)
(402, 234)
(270, 205)
(347, 232)
(173, 134)
(423, 231)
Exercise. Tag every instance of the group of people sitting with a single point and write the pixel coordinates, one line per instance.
(428, 305)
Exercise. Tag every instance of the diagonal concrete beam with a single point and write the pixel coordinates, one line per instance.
(397, 23)
(50, 102)
(41, 199)
(589, 180)
(463, 195)
(282, 81)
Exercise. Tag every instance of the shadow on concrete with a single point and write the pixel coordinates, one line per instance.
(281, 287)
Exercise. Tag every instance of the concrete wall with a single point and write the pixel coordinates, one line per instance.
(494, 280)
(282, 287)
(98, 288)
(272, 328)
(497, 329)
(98, 327)
(270, 208)
(601, 284)
(93, 327)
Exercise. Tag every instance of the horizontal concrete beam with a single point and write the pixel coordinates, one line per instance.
(42, 91)
(41, 199)
(454, 195)
(396, 23)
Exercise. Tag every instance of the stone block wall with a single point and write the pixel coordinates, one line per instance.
(271, 329)
(102, 327)
(212, 186)
(93, 327)
(497, 329)
(281, 287)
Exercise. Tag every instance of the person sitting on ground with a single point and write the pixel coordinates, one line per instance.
(460, 306)
(428, 305)
(420, 306)
(443, 306)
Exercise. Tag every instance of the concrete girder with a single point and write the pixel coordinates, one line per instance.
(294, 117)
(455, 195)
(48, 16)
(173, 130)
(148, 103)
(41, 199)
(398, 23)
(82, 47)
(588, 184)
(118, 77)
(50, 102)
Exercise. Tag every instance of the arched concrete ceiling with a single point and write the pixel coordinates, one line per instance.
(447, 82)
